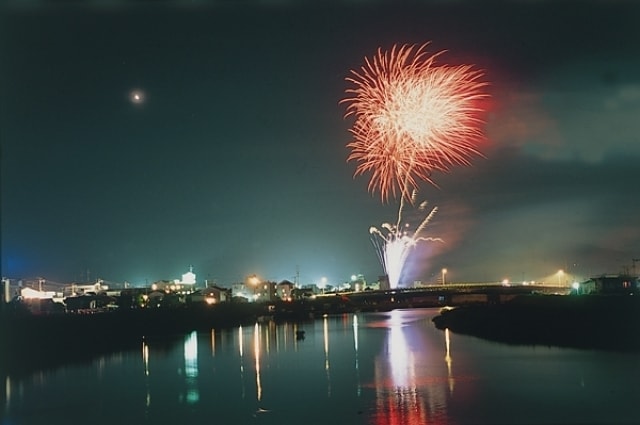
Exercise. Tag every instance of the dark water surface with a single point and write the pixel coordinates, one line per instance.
(373, 368)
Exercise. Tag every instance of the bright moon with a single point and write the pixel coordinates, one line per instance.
(136, 97)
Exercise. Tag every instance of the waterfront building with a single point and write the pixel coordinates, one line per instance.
(241, 290)
(284, 290)
(210, 295)
(257, 290)
(609, 284)
(266, 292)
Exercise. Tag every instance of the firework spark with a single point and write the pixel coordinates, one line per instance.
(412, 118)
(394, 242)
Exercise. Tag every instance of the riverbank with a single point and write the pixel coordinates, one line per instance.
(25, 337)
(39, 341)
(44, 341)
(587, 322)
(31, 342)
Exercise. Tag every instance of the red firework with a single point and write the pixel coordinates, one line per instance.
(412, 118)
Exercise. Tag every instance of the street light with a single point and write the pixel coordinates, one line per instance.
(254, 281)
(444, 273)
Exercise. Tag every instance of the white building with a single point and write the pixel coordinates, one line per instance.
(189, 278)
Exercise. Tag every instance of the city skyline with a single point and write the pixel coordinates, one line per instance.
(139, 140)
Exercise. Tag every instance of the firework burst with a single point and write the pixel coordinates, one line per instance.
(411, 118)
(393, 242)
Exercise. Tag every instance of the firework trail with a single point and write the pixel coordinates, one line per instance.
(394, 242)
(411, 118)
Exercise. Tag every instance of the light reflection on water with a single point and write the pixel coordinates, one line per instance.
(401, 397)
(191, 367)
(375, 368)
(256, 353)
(327, 366)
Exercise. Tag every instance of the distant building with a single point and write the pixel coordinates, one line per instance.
(183, 286)
(240, 290)
(585, 288)
(284, 290)
(305, 292)
(32, 293)
(266, 291)
(210, 295)
(163, 285)
(154, 299)
(609, 284)
(189, 278)
(221, 295)
(171, 286)
(358, 283)
(383, 281)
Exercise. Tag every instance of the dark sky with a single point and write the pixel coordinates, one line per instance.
(235, 162)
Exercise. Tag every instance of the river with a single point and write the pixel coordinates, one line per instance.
(366, 368)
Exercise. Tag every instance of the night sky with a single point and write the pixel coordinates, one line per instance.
(233, 159)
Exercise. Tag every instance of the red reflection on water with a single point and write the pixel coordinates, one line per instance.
(402, 397)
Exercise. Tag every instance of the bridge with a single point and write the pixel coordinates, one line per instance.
(447, 295)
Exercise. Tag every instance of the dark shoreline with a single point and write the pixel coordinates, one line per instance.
(31, 342)
(609, 323)
(40, 342)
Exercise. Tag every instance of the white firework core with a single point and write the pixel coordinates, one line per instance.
(394, 243)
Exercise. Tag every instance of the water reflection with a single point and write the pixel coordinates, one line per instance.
(240, 349)
(7, 392)
(256, 353)
(398, 401)
(384, 371)
(448, 360)
(355, 347)
(145, 357)
(374, 368)
(403, 396)
(191, 367)
(145, 361)
(327, 368)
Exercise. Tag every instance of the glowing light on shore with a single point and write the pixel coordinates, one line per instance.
(393, 242)
(412, 118)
